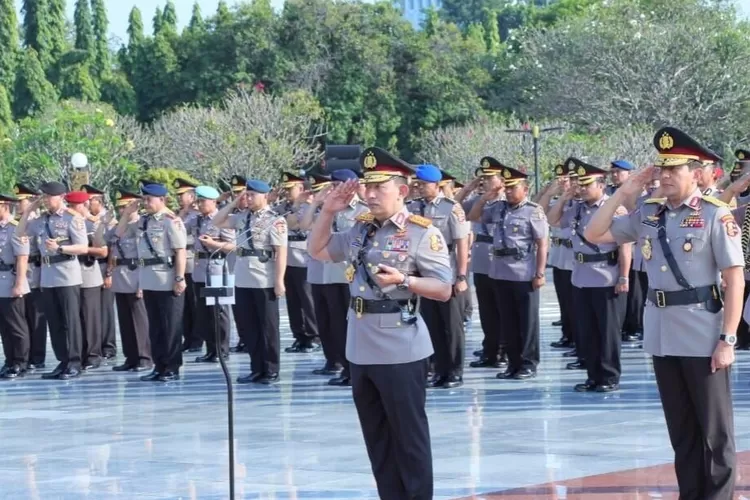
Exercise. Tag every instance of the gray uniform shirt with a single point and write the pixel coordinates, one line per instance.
(446, 215)
(481, 251)
(704, 238)
(296, 255)
(589, 274)
(518, 227)
(34, 272)
(69, 228)
(91, 273)
(315, 268)
(124, 278)
(204, 225)
(268, 230)
(11, 246)
(335, 272)
(166, 232)
(413, 246)
(190, 245)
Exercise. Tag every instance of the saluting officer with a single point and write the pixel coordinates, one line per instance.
(619, 170)
(299, 297)
(193, 339)
(518, 263)
(600, 280)
(212, 243)
(97, 212)
(60, 234)
(238, 186)
(445, 320)
(121, 277)
(259, 278)
(687, 239)
(14, 329)
(161, 252)
(397, 257)
(35, 316)
(481, 252)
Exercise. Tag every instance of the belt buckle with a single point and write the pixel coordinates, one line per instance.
(661, 299)
(359, 306)
(579, 257)
(45, 260)
(141, 263)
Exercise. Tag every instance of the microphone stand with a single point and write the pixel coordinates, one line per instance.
(226, 290)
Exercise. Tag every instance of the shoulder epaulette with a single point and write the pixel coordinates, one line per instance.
(532, 204)
(92, 218)
(73, 212)
(14, 222)
(449, 200)
(714, 201)
(655, 200)
(419, 220)
(365, 217)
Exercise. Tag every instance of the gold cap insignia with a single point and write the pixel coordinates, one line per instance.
(176, 183)
(581, 171)
(741, 156)
(370, 161)
(312, 181)
(285, 178)
(235, 180)
(118, 195)
(16, 190)
(559, 170)
(506, 174)
(666, 141)
(485, 163)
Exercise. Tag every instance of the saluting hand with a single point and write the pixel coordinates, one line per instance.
(637, 182)
(340, 197)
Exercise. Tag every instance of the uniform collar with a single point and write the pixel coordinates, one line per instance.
(516, 207)
(161, 213)
(5, 223)
(59, 212)
(211, 215)
(692, 201)
(436, 200)
(261, 210)
(599, 202)
(399, 218)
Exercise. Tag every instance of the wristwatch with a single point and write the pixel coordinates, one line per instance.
(179, 279)
(461, 277)
(623, 280)
(728, 338)
(404, 285)
(539, 276)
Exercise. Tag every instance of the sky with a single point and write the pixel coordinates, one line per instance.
(118, 11)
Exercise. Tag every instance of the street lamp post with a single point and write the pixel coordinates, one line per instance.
(535, 132)
(80, 172)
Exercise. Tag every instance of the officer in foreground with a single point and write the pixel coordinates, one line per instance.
(687, 239)
(396, 258)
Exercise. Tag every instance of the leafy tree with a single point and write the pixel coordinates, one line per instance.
(157, 21)
(6, 116)
(8, 43)
(135, 28)
(464, 13)
(491, 31)
(84, 30)
(32, 91)
(117, 91)
(169, 17)
(101, 64)
(36, 29)
(76, 82)
(57, 29)
(196, 24)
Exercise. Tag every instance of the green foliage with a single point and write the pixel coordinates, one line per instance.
(40, 147)
(32, 91)
(102, 63)
(57, 29)
(167, 176)
(135, 28)
(196, 24)
(157, 20)
(36, 24)
(6, 116)
(117, 91)
(76, 83)
(84, 29)
(169, 17)
(8, 42)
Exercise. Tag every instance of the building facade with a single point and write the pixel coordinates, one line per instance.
(413, 10)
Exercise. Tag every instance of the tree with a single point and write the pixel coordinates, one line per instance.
(8, 43)
(464, 13)
(101, 52)
(196, 20)
(156, 22)
(591, 70)
(32, 91)
(169, 17)
(6, 116)
(84, 30)
(36, 29)
(135, 28)
(491, 31)
(57, 29)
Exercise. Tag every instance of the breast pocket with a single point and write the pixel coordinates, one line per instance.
(686, 246)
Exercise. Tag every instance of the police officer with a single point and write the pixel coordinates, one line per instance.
(332, 297)
(619, 170)
(299, 298)
(121, 277)
(161, 252)
(97, 213)
(34, 306)
(489, 314)
(687, 239)
(396, 258)
(60, 234)
(445, 320)
(600, 280)
(518, 264)
(193, 340)
(14, 329)
(92, 281)
(238, 186)
(259, 278)
(211, 243)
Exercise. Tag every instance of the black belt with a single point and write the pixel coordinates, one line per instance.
(6, 267)
(297, 237)
(35, 259)
(506, 252)
(451, 247)
(484, 238)
(103, 260)
(131, 263)
(209, 255)
(596, 257)
(708, 294)
(56, 259)
(247, 252)
(155, 261)
(565, 242)
(362, 306)
(190, 247)
(86, 260)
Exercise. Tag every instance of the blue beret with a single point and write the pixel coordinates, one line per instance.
(343, 175)
(429, 173)
(622, 165)
(154, 190)
(207, 192)
(258, 186)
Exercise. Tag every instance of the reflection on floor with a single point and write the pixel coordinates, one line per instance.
(110, 436)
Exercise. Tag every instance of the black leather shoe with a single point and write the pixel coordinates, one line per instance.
(570, 354)
(70, 373)
(524, 374)
(557, 323)
(588, 386)
(507, 374)
(142, 367)
(486, 363)
(249, 379)
(211, 357)
(436, 381)
(151, 377)
(238, 348)
(576, 365)
(13, 372)
(309, 348)
(54, 374)
(453, 382)
(479, 353)
(294, 348)
(169, 376)
(562, 344)
(607, 387)
(327, 370)
(341, 381)
(269, 378)
(4, 369)
(125, 367)
(91, 365)
(35, 366)
(630, 337)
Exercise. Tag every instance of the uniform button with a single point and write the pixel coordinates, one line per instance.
(398, 323)
(667, 240)
(374, 243)
(672, 214)
(663, 269)
(361, 289)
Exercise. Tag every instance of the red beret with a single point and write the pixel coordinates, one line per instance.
(77, 197)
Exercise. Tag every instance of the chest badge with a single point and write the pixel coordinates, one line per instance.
(646, 249)
(436, 243)
(349, 273)
(687, 246)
